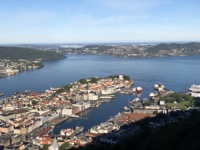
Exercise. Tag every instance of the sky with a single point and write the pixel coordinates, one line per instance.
(103, 21)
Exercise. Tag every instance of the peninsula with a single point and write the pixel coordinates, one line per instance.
(17, 59)
(31, 115)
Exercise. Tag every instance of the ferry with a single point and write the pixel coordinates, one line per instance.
(194, 88)
(139, 90)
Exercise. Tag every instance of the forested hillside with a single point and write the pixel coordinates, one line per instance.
(14, 53)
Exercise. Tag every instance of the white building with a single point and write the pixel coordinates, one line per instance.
(109, 90)
(82, 105)
(67, 111)
(121, 77)
(93, 97)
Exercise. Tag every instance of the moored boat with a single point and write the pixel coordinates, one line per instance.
(1, 94)
(139, 90)
(79, 129)
(152, 94)
(157, 86)
(135, 100)
(195, 88)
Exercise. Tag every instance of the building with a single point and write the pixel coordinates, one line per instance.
(92, 96)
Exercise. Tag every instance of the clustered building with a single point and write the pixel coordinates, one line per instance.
(8, 67)
(25, 113)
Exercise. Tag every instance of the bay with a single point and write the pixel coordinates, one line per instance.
(176, 73)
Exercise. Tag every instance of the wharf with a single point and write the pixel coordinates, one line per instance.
(77, 131)
(59, 120)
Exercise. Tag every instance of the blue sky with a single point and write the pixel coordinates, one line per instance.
(80, 21)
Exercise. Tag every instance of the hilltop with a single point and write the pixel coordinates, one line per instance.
(15, 53)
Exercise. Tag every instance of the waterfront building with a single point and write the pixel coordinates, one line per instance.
(67, 111)
(82, 105)
(92, 96)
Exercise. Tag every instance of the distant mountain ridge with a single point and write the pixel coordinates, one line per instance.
(14, 53)
(159, 50)
(175, 49)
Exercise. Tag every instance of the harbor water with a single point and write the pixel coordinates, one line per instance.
(176, 73)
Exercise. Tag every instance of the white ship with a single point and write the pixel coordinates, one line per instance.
(157, 86)
(153, 94)
(139, 90)
(135, 100)
(1, 94)
(195, 88)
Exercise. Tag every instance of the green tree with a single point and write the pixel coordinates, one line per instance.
(83, 81)
(45, 147)
(94, 80)
(64, 146)
(34, 102)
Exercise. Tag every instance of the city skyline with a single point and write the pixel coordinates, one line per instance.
(90, 21)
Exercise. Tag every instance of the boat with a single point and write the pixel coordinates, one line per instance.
(126, 108)
(153, 95)
(135, 100)
(79, 129)
(157, 86)
(134, 90)
(139, 90)
(1, 94)
(194, 88)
